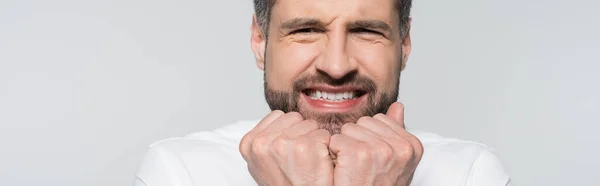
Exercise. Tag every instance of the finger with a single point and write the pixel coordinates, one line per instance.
(396, 112)
(340, 143)
(377, 126)
(244, 145)
(284, 122)
(358, 132)
(320, 136)
(301, 128)
(418, 146)
(266, 121)
(275, 130)
(413, 140)
(391, 123)
(333, 157)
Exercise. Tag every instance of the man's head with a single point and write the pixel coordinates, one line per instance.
(331, 60)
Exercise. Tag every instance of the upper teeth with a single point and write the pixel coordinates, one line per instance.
(332, 96)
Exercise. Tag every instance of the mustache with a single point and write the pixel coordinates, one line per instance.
(353, 79)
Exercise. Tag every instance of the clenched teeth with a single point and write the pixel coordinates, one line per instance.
(336, 97)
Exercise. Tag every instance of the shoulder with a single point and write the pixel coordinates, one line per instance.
(211, 156)
(435, 144)
(457, 162)
(220, 141)
(227, 136)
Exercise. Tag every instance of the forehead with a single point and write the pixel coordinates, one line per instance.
(329, 10)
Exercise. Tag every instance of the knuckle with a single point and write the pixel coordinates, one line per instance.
(335, 138)
(418, 147)
(260, 146)
(384, 151)
(244, 146)
(301, 147)
(280, 146)
(245, 150)
(260, 149)
(347, 128)
(380, 115)
(363, 154)
(406, 150)
(324, 133)
(404, 144)
(277, 112)
(363, 119)
(312, 124)
(294, 116)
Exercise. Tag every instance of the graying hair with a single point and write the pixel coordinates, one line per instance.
(262, 9)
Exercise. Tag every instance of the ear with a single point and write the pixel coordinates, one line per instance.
(406, 45)
(258, 43)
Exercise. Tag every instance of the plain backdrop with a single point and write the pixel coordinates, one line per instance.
(86, 86)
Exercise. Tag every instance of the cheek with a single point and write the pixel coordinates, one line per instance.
(379, 62)
(287, 61)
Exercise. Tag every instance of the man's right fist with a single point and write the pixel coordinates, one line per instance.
(285, 149)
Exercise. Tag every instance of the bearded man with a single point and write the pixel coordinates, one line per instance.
(331, 77)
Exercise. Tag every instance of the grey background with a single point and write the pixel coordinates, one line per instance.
(85, 86)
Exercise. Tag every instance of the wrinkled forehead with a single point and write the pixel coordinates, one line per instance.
(329, 10)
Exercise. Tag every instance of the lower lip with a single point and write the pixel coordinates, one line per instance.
(330, 106)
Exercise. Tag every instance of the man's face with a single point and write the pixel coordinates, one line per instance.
(333, 61)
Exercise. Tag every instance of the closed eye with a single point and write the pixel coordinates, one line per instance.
(365, 31)
(305, 30)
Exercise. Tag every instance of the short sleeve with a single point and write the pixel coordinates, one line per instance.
(487, 170)
(162, 168)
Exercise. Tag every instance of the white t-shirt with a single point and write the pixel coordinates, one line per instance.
(212, 158)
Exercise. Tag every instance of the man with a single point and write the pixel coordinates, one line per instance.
(332, 71)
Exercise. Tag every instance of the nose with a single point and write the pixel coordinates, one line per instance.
(335, 61)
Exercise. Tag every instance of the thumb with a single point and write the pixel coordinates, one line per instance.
(396, 112)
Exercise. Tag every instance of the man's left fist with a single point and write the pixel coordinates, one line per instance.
(376, 151)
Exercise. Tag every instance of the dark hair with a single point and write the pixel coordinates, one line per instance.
(262, 9)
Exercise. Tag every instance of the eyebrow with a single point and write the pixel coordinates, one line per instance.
(312, 22)
(370, 24)
(300, 23)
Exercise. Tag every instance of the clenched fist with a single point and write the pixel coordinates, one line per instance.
(285, 149)
(376, 151)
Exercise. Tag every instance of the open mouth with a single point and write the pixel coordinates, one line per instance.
(333, 99)
(333, 95)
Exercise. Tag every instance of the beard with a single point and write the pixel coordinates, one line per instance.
(378, 100)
